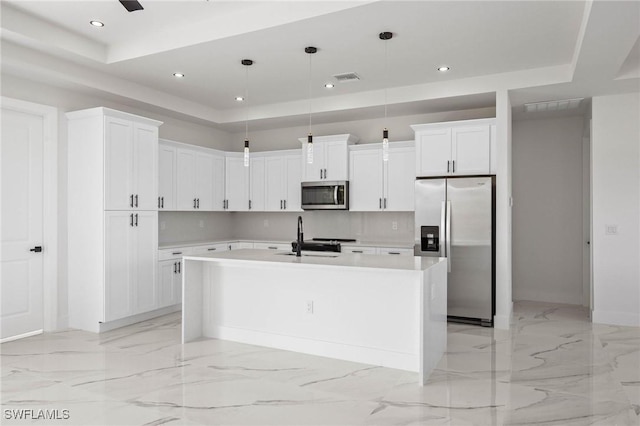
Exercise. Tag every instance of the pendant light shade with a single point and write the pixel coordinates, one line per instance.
(385, 36)
(310, 50)
(247, 63)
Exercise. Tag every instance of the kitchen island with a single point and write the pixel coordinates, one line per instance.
(383, 310)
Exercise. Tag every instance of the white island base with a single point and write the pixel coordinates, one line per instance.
(383, 310)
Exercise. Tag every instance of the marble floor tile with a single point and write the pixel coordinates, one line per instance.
(553, 367)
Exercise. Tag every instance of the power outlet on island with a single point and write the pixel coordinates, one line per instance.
(310, 306)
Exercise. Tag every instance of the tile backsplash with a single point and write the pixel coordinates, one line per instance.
(389, 227)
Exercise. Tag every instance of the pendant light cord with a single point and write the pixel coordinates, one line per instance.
(386, 81)
(246, 98)
(310, 55)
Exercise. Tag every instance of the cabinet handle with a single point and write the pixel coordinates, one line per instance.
(385, 202)
(272, 248)
(380, 203)
(212, 249)
(179, 267)
(136, 219)
(448, 166)
(131, 200)
(325, 173)
(198, 202)
(159, 204)
(393, 252)
(176, 252)
(224, 204)
(136, 200)
(454, 166)
(357, 251)
(280, 204)
(163, 202)
(320, 173)
(249, 204)
(131, 217)
(285, 204)
(175, 267)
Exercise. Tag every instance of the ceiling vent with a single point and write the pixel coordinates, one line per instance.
(347, 77)
(553, 105)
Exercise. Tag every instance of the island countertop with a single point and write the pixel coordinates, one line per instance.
(324, 259)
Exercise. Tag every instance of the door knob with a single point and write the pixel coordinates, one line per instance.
(36, 249)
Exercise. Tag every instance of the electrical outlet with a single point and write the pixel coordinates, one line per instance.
(611, 229)
(309, 306)
(394, 225)
(265, 223)
(163, 225)
(202, 224)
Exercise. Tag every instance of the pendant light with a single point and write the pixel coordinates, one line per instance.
(247, 63)
(310, 50)
(385, 36)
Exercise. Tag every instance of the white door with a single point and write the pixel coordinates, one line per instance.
(185, 182)
(204, 181)
(274, 181)
(144, 245)
(119, 191)
(471, 150)
(218, 183)
(256, 185)
(433, 152)
(21, 149)
(336, 159)
(118, 264)
(166, 178)
(399, 191)
(312, 172)
(166, 270)
(292, 183)
(236, 184)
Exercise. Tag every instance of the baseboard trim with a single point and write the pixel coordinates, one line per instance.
(616, 318)
(123, 322)
(20, 336)
(365, 355)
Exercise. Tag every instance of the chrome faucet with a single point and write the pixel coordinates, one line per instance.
(300, 237)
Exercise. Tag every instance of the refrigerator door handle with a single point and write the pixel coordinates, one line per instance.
(448, 227)
(443, 215)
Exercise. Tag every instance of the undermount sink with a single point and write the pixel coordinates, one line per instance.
(311, 255)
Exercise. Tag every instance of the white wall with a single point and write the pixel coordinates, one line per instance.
(369, 131)
(615, 145)
(547, 211)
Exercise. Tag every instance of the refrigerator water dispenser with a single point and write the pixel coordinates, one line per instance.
(429, 238)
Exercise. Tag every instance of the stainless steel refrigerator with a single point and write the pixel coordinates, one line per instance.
(455, 218)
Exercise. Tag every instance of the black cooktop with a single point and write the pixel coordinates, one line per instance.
(339, 240)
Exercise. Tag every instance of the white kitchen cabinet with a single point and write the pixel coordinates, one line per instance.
(209, 248)
(330, 158)
(272, 246)
(358, 249)
(131, 242)
(167, 176)
(376, 185)
(396, 251)
(200, 179)
(170, 282)
(130, 163)
(257, 184)
(236, 183)
(282, 182)
(112, 254)
(453, 148)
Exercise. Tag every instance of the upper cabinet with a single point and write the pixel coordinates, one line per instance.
(282, 181)
(130, 162)
(330, 158)
(236, 183)
(190, 178)
(454, 148)
(376, 185)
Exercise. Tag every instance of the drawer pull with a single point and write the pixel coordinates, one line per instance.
(212, 249)
(394, 252)
(176, 252)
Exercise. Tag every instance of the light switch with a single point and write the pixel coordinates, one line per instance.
(611, 230)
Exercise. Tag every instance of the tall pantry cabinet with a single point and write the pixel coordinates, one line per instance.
(113, 218)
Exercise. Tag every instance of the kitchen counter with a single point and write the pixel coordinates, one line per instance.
(363, 243)
(381, 310)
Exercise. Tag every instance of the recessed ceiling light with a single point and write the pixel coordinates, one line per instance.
(443, 68)
(329, 85)
(239, 98)
(96, 23)
(178, 74)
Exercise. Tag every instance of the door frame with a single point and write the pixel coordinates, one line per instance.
(49, 116)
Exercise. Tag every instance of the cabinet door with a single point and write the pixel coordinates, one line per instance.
(336, 160)
(292, 181)
(256, 184)
(433, 152)
(400, 179)
(218, 182)
(145, 251)
(365, 183)
(204, 181)
(166, 271)
(471, 150)
(177, 284)
(166, 178)
(311, 172)
(118, 164)
(186, 179)
(118, 291)
(236, 184)
(145, 166)
(274, 182)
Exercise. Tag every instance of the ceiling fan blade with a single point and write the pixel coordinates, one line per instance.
(131, 5)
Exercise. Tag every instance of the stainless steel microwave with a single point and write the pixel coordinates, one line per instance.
(325, 195)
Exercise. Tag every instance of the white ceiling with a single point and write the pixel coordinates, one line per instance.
(539, 50)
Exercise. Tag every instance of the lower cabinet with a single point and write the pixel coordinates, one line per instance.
(170, 282)
(272, 246)
(131, 244)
